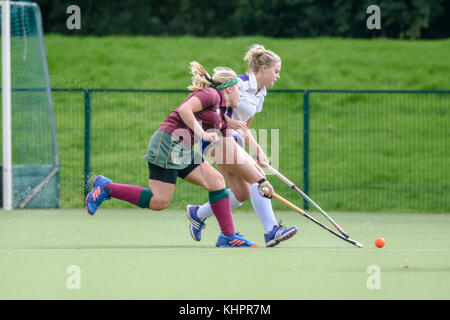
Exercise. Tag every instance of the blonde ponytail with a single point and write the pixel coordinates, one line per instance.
(257, 56)
(201, 78)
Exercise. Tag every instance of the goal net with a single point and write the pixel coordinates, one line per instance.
(30, 169)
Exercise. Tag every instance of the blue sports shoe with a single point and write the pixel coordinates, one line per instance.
(279, 233)
(235, 240)
(196, 225)
(98, 194)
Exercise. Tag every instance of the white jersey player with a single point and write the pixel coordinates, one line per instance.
(264, 71)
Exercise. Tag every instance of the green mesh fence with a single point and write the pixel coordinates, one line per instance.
(380, 151)
(69, 114)
(121, 124)
(367, 151)
(118, 147)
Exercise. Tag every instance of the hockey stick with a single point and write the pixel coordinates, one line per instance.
(293, 186)
(303, 213)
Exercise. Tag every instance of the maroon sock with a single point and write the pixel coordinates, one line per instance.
(136, 195)
(221, 206)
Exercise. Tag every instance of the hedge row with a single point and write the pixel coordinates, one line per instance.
(275, 18)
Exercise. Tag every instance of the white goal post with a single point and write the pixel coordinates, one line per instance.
(6, 106)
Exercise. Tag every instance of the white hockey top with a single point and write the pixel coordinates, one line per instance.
(251, 100)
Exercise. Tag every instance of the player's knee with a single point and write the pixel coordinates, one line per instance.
(242, 195)
(215, 182)
(158, 204)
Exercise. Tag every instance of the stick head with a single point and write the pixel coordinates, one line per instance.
(359, 245)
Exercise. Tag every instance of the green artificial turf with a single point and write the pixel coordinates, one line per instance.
(137, 254)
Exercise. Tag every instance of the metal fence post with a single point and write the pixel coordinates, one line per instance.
(87, 140)
(305, 145)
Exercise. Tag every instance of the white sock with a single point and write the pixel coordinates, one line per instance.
(263, 208)
(205, 210)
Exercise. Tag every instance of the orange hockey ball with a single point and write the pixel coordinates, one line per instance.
(379, 242)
